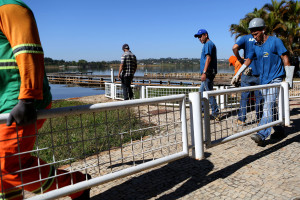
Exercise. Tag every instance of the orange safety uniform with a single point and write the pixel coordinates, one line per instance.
(233, 61)
(22, 76)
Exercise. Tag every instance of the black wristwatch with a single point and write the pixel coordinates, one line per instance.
(204, 72)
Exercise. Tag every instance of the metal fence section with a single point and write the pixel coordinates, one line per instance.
(295, 91)
(107, 141)
(118, 91)
(158, 91)
(226, 126)
(109, 90)
(114, 91)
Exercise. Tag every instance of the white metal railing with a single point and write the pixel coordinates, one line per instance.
(107, 141)
(109, 89)
(119, 91)
(213, 132)
(114, 91)
(295, 91)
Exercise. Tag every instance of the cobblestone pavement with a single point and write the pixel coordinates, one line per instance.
(235, 170)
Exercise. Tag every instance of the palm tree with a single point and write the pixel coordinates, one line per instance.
(277, 8)
(239, 29)
(282, 20)
(261, 13)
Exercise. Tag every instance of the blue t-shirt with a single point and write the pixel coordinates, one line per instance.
(209, 48)
(247, 43)
(268, 57)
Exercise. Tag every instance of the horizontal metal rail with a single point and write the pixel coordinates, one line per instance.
(66, 111)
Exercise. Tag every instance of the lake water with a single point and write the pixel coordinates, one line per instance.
(63, 91)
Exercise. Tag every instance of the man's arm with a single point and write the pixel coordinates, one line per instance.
(19, 27)
(207, 62)
(235, 50)
(120, 70)
(285, 59)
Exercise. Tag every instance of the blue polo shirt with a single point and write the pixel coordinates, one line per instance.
(247, 43)
(268, 58)
(209, 48)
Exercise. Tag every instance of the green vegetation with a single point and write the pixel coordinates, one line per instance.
(80, 136)
(80, 63)
(165, 62)
(282, 20)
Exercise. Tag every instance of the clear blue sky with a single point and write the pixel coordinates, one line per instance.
(95, 30)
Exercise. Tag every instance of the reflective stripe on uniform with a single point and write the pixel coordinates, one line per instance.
(27, 48)
(8, 64)
(47, 184)
(12, 194)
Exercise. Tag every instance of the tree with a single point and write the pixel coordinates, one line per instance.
(282, 20)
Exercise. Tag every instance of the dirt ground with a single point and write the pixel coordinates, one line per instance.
(93, 99)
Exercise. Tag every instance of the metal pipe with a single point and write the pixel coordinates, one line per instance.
(184, 127)
(286, 101)
(106, 178)
(243, 133)
(205, 100)
(65, 111)
(197, 124)
(242, 89)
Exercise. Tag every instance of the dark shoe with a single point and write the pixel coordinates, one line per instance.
(86, 193)
(257, 139)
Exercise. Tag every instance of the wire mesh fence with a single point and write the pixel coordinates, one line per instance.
(295, 91)
(119, 91)
(254, 111)
(98, 139)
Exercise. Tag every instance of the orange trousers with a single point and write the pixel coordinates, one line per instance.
(14, 143)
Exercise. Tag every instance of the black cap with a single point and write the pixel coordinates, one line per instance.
(125, 46)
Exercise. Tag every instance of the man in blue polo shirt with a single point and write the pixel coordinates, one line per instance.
(250, 77)
(272, 60)
(208, 69)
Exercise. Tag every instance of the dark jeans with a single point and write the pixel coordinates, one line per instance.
(127, 91)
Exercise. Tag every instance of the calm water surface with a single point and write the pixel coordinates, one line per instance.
(63, 91)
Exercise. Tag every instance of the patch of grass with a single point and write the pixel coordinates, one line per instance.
(79, 136)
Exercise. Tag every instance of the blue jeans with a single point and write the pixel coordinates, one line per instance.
(245, 82)
(208, 85)
(270, 96)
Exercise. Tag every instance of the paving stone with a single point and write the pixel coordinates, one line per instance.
(242, 171)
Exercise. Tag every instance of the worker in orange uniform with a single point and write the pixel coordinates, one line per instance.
(24, 89)
(233, 61)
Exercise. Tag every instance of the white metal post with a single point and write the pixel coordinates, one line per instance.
(280, 103)
(112, 90)
(184, 127)
(205, 100)
(143, 91)
(112, 75)
(222, 98)
(286, 101)
(196, 123)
